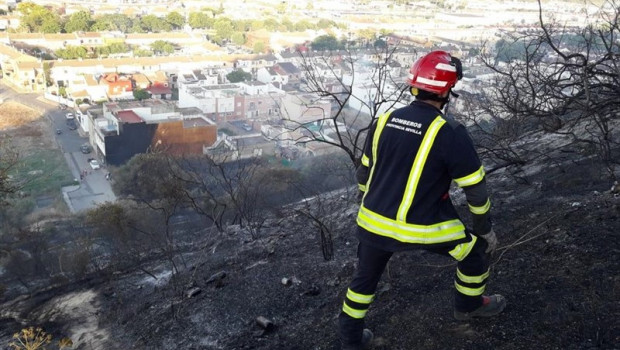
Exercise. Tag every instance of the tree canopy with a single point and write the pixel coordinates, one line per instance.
(238, 75)
(112, 22)
(175, 19)
(162, 47)
(141, 94)
(326, 43)
(38, 19)
(79, 21)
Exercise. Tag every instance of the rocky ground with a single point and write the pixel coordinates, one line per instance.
(557, 266)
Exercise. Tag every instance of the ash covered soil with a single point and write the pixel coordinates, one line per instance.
(557, 265)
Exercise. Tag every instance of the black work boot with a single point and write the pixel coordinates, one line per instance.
(364, 344)
(491, 306)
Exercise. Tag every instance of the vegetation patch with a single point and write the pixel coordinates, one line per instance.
(13, 114)
(43, 172)
(40, 170)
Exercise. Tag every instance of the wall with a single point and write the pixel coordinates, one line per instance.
(133, 139)
(181, 138)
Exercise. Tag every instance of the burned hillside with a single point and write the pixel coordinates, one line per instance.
(557, 265)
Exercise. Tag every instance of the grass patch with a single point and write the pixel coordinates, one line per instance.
(43, 173)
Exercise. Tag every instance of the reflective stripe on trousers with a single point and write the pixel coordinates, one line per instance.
(471, 276)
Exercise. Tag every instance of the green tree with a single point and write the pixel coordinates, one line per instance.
(103, 51)
(51, 25)
(287, 25)
(136, 27)
(162, 47)
(79, 21)
(242, 25)
(141, 94)
(112, 22)
(223, 29)
(142, 53)
(259, 47)
(367, 34)
(303, 25)
(326, 43)
(271, 24)
(153, 24)
(175, 20)
(27, 8)
(199, 20)
(325, 23)
(72, 52)
(37, 19)
(238, 38)
(507, 50)
(47, 72)
(257, 24)
(238, 75)
(380, 43)
(281, 7)
(119, 48)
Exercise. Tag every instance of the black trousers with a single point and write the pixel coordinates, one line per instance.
(470, 280)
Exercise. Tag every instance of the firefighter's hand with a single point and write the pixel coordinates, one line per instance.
(491, 241)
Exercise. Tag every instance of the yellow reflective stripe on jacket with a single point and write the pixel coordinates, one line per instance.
(365, 160)
(461, 251)
(375, 142)
(410, 233)
(353, 312)
(480, 210)
(473, 292)
(362, 187)
(471, 279)
(417, 167)
(360, 298)
(471, 179)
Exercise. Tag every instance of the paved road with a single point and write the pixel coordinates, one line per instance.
(94, 188)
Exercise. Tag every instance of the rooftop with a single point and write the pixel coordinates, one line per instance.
(196, 122)
(129, 117)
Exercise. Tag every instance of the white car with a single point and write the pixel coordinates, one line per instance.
(94, 164)
(70, 116)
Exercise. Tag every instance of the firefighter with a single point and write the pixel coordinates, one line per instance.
(411, 156)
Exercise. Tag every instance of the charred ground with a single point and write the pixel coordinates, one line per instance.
(557, 266)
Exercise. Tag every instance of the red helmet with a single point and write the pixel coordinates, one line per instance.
(435, 72)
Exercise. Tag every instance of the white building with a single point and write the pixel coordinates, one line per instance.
(211, 99)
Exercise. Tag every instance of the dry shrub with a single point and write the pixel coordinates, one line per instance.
(48, 214)
(27, 128)
(13, 115)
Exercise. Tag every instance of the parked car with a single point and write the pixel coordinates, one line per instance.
(94, 164)
(85, 149)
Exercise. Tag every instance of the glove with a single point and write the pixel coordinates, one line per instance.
(491, 241)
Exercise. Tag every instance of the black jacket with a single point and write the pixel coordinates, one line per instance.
(411, 157)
